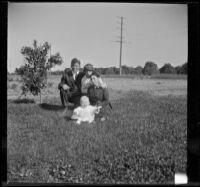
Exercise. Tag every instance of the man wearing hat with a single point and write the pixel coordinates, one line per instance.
(70, 84)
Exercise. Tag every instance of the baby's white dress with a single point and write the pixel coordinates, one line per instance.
(86, 114)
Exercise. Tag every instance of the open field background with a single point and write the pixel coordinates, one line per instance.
(143, 141)
(156, 85)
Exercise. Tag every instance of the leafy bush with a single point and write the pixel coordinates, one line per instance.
(34, 72)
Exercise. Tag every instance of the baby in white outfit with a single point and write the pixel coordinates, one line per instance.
(85, 112)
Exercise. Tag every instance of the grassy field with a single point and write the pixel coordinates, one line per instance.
(156, 76)
(143, 141)
(156, 86)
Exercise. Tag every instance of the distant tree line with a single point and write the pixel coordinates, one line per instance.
(150, 68)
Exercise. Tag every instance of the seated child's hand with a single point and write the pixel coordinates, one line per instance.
(98, 109)
(74, 115)
(78, 122)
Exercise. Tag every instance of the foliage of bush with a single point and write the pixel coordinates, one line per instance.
(34, 72)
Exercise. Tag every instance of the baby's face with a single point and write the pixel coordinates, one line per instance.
(84, 102)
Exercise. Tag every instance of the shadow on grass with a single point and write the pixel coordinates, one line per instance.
(47, 106)
(19, 101)
(68, 118)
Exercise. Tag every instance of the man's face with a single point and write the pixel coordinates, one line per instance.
(75, 67)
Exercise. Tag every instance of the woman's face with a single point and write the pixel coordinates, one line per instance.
(88, 73)
(95, 80)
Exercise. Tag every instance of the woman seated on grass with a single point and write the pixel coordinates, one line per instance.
(99, 96)
(86, 80)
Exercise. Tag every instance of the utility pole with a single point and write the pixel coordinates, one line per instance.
(120, 58)
(121, 41)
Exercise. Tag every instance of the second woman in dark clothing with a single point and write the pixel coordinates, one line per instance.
(98, 95)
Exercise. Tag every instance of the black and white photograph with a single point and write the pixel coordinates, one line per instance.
(97, 93)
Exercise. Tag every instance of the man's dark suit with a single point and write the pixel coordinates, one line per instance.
(74, 93)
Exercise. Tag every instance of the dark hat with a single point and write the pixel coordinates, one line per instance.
(88, 67)
(74, 61)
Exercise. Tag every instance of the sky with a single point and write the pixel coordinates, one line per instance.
(89, 31)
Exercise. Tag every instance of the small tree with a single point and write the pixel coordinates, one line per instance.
(181, 69)
(126, 69)
(150, 68)
(168, 68)
(138, 70)
(34, 72)
(184, 68)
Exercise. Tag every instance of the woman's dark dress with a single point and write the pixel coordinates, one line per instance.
(99, 96)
